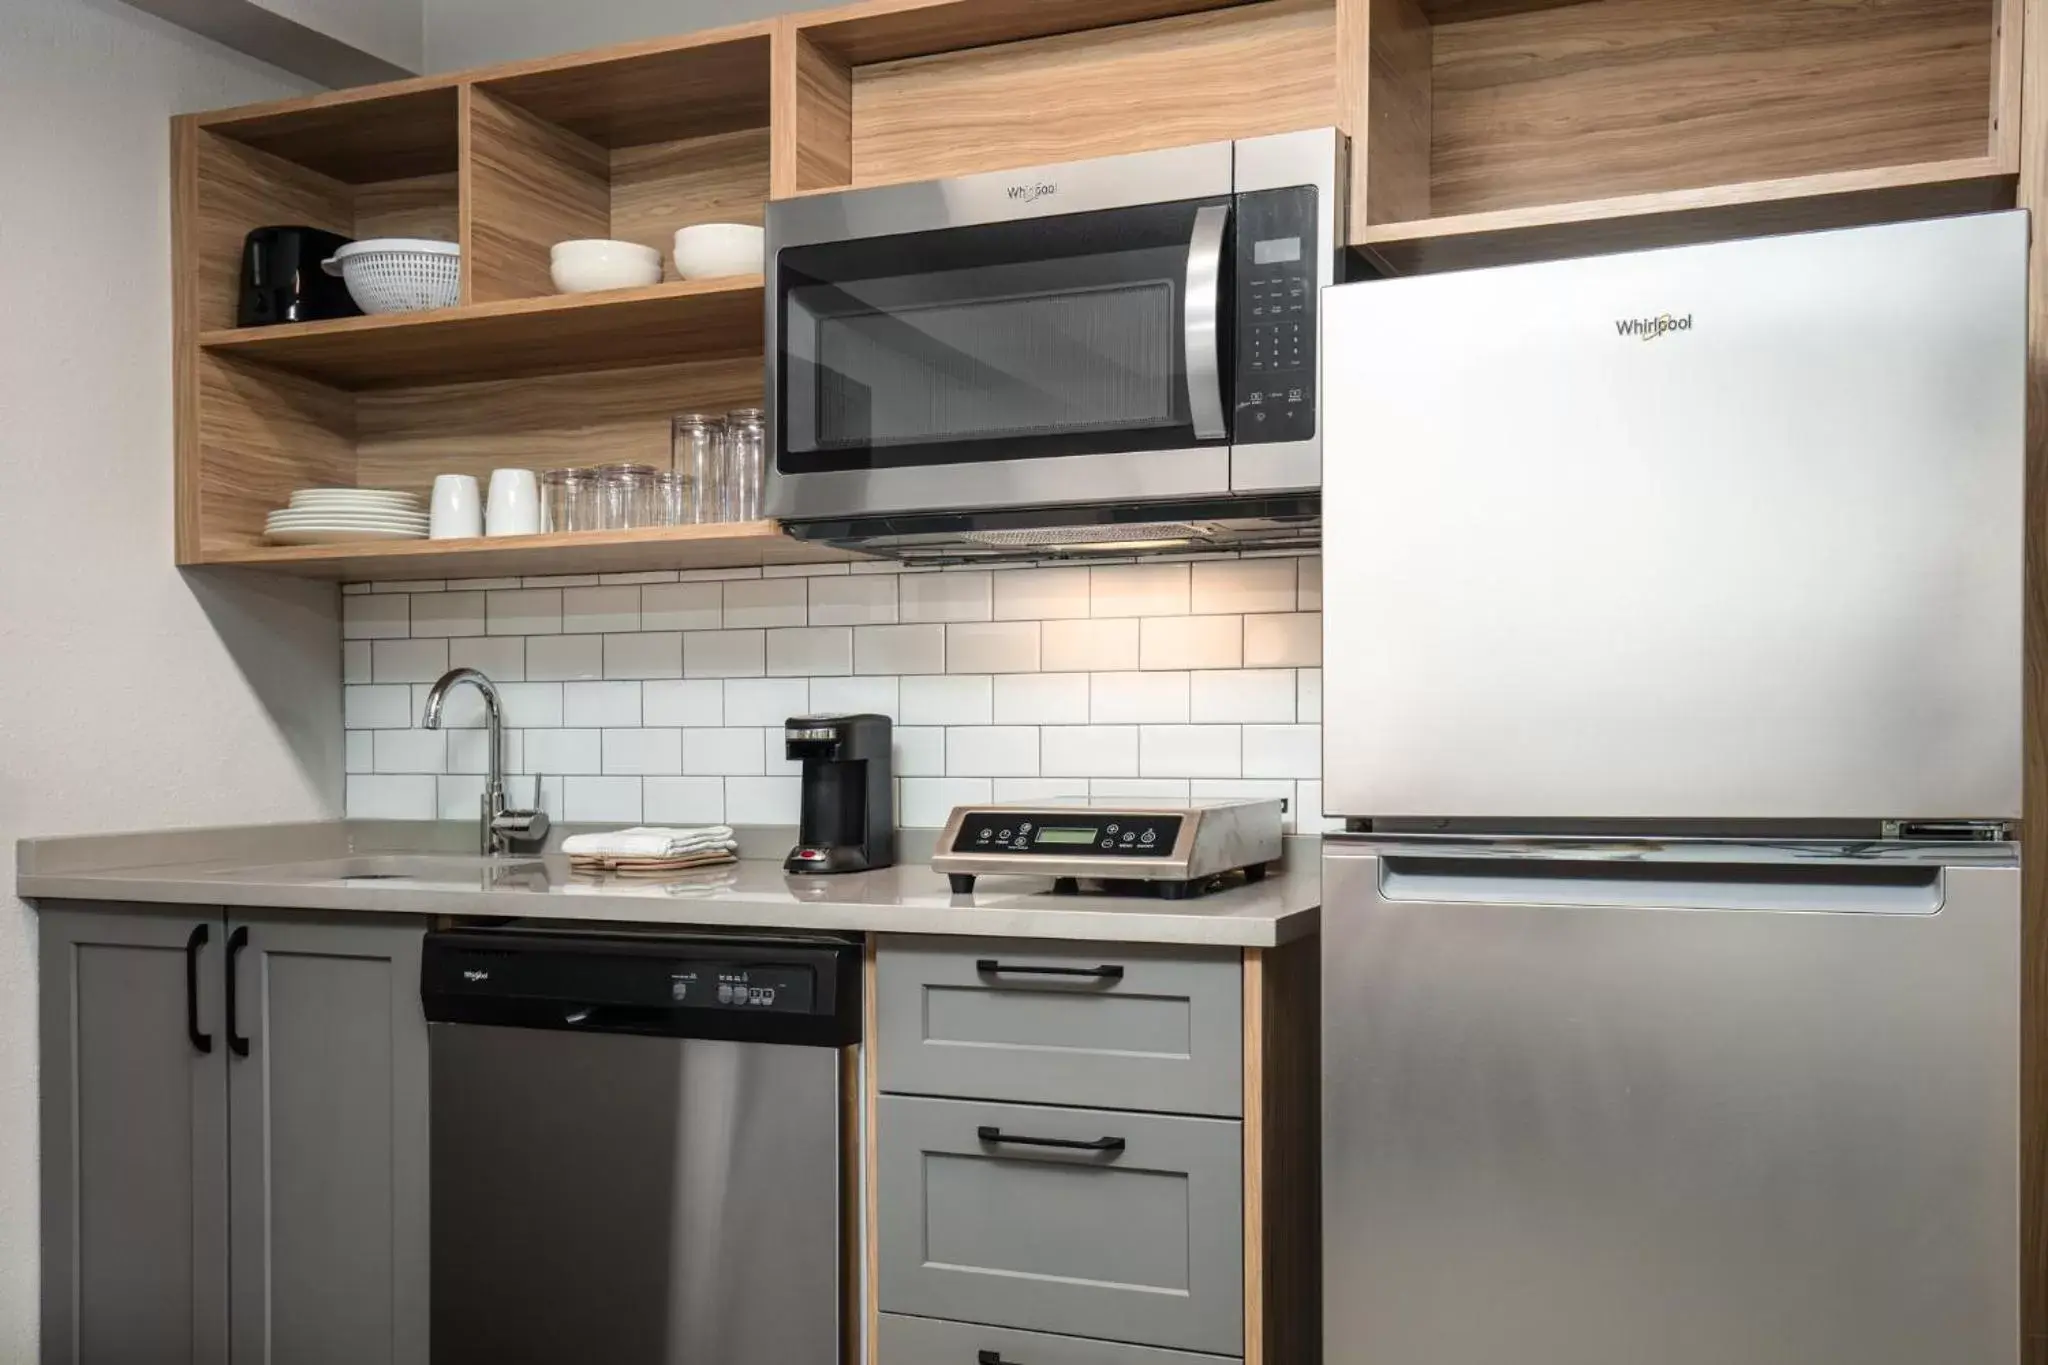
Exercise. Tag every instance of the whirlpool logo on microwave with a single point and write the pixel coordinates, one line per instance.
(1033, 191)
(1651, 329)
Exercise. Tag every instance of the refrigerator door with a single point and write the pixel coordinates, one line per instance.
(1609, 1117)
(1758, 561)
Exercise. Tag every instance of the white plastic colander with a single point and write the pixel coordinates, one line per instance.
(399, 274)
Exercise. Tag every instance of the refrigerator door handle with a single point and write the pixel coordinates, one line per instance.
(1806, 887)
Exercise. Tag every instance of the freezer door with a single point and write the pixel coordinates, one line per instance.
(1760, 560)
(1668, 1126)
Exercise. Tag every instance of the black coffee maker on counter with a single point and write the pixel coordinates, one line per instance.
(849, 806)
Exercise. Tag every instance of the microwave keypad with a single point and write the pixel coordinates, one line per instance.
(1277, 255)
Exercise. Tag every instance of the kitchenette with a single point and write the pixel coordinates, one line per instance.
(1293, 682)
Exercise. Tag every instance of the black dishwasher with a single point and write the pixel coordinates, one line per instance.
(638, 1146)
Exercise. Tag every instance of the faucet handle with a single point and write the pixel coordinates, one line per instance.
(526, 826)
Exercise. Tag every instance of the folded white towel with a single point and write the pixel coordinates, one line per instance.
(645, 841)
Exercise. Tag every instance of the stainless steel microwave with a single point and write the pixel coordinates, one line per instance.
(1062, 359)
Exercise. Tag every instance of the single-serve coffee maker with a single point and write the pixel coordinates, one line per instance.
(849, 806)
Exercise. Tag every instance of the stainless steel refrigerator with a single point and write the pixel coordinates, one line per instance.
(1673, 690)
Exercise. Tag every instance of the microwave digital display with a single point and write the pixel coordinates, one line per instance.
(1276, 251)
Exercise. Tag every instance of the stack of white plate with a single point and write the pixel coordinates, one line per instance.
(337, 516)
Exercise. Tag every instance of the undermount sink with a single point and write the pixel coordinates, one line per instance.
(421, 867)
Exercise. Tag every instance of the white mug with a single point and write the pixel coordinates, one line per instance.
(515, 504)
(458, 512)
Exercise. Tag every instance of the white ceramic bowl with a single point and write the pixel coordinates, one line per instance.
(584, 267)
(712, 249)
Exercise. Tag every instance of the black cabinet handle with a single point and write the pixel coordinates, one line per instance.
(988, 966)
(202, 1041)
(1107, 1144)
(990, 1358)
(237, 941)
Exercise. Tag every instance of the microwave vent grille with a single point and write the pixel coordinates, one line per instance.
(1098, 534)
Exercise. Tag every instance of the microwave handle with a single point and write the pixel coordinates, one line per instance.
(1204, 321)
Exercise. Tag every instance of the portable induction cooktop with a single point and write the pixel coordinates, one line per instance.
(1167, 851)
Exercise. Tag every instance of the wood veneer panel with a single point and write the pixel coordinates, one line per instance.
(2007, 82)
(1464, 11)
(1263, 68)
(390, 132)
(812, 123)
(695, 86)
(1283, 1155)
(888, 30)
(2033, 195)
(668, 547)
(237, 188)
(424, 206)
(1383, 79)
(561, 333)
(406, 436)
(260, 435)
(659, 187)
(531, 184)
(1636, 96)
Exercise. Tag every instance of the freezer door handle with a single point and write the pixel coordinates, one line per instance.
(1874, 888)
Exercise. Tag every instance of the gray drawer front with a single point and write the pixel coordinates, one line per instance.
(1143, 1244)
(925, 1341)
(1166, 1035)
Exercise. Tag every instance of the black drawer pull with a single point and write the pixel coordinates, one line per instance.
(991, 1358)
(988, 966)
(1106, 1144)
(202, 1041)
(237, 941)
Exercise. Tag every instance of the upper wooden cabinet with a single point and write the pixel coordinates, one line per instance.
(1482, 130)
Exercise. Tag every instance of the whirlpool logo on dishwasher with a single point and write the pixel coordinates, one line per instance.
(1651, 329)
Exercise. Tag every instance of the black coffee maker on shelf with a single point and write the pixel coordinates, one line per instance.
(849, 806)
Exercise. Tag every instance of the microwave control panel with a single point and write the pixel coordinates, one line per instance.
(1278, 261)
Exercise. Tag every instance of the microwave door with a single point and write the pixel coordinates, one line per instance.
(1073, 359)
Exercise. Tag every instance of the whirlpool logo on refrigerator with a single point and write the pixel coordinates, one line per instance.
(1651, 329)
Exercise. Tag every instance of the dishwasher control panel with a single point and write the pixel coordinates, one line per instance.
(734, 986)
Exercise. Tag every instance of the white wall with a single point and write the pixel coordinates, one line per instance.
(130, 696)
(463, 33)
(392, 29)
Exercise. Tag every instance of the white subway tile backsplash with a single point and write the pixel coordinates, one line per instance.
(643, 752)
(525, 611)
(927, 802)
(448, 613)
(765, 602)
(643, 696)
(655, 654)
(1190, 751)
(1041, 699)
(1088, 646)
(993, 647)
(561, 658)
(408, 661)
(1188, 642)
(387, 797)
(683, 801)
(899, 649)
(1236, 586)
(501, 658)
(1283, 751)
(727, 751)
(375, 707)
(850, 601)
(683, 606)
(376, 617)
(1088, 751)
(1041, 594)
(601, 799)
(765, 701)
(595, 611)
(802, 570)
(1237, 696)
(1314, 819)
(1290, 641)
(559, 580)
(992, 751)
(679, 702)
(855, 696)
(607, 705)
(353, 589)
(948, 699)
(810, 651)
(564, 751)
(944, 596)
(1138, 698)
(1138, 590)
(724, 654)
(920, 750)
(763, 800)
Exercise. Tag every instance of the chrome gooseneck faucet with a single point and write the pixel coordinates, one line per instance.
(501, 828)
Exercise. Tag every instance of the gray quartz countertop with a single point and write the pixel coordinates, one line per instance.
(390, 868)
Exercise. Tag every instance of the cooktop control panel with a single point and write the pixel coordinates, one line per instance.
(1067, 833)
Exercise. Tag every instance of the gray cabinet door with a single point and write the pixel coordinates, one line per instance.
(135, 1144)
(1139, 1239)
(927, 1341)
(1117, 1025)
(328, 1110)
